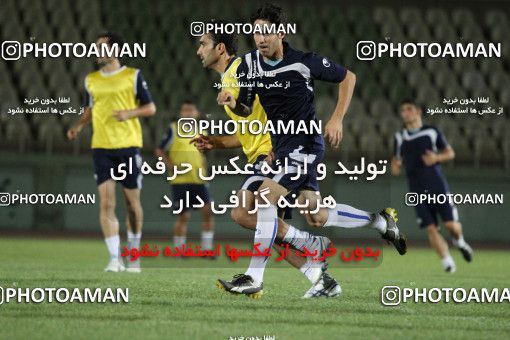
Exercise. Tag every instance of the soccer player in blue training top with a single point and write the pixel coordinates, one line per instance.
(422, 149)
(116, 97)
(276, 62)
(217, 52)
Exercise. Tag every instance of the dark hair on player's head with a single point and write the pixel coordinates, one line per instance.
(229, 40)
(112, 37)
(270, 12)
(188, 101)
(408, 101)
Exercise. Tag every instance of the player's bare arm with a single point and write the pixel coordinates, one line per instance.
(445, 155)
(75, 130)
(146, 110)
(396, 166)
(227, 98)
(333, 132)
(206, 143)
(164, 155)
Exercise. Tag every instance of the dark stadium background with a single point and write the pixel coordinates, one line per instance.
(35, 156)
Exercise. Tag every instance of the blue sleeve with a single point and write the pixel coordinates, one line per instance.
(87, 99)
(397, 145)
(247, 90)
(441, 142)
(321, 68)
(142, 91)
(167, 139)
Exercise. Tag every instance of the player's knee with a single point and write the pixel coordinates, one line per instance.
(134, 208)
(207, 211)
(183, 218)
(107, 205)
(236, 214)
(432, 229)
(240, 216)
(451, 225)
(315, 221)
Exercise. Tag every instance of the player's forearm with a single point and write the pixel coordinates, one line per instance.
(396, 165)
(146, 110)
(85, 118)
(161, 153)
(241, 109)
(226, 142)
(446, 155)
(345, 91)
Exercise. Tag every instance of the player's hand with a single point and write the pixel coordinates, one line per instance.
(429, 158)
(203, 143)
(333, 133)
(270, 158)
(74, 131)
(122, 115)
(226, 98)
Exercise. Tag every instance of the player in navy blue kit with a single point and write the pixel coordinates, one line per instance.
(283, 78)
(422, 149)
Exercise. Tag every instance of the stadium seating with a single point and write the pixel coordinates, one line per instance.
(173, 72)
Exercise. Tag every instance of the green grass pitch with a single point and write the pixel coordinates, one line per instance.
(185, 304)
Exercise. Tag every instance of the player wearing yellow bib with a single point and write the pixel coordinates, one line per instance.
(115, 97)
(217, 52)
(176, 150)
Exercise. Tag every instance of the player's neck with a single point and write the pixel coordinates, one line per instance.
(414, 125)
(221, 65)
(278, 55)
(111, 67)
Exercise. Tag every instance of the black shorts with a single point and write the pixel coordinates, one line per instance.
(427, 213)
(193, 190)
(107, 159)
(253, 182)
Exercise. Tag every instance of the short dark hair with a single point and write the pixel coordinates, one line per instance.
(408, 101)
(188, 101)
(411, 102)
(229, 40)
(270, 12)
(112, 37)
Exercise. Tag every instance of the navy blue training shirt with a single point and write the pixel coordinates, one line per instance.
(296, 73)
(410, 146)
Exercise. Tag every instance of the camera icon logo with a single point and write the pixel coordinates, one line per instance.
(391, 295)
(197, 28)
(187, 127)
(411, 199)
(366, 50)
(5, 199)
(11, 50)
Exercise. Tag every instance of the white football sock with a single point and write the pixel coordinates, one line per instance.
(113, 244)
(207, 240)
(134, 239)
(460, 242)
(299, 239)
(345, 216)
(448, 261)
(267, 226)
(312, 270)
(179, 241)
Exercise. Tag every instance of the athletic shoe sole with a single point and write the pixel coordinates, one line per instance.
(223, 285)
(466, 254)
(400, 243)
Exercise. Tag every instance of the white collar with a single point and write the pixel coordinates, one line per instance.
(108, 74)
